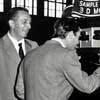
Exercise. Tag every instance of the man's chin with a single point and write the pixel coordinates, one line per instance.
(25, 35)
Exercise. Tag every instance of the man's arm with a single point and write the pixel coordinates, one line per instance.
(79, 78)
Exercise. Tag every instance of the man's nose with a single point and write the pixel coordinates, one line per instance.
(29, 26)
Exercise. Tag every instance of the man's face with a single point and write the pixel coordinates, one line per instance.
(73, 40)
(22, 24)
(61, 30)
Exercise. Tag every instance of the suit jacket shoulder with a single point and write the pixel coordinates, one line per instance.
(31, 43)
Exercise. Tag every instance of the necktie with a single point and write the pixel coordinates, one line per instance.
(21, 53)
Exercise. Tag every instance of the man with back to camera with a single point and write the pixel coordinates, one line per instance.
(11, 53)
(51, 71)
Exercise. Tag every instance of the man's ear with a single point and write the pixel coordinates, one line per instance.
(11, 23)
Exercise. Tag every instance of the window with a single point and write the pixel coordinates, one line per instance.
(54, 8)
(31, 5)
(1, 5)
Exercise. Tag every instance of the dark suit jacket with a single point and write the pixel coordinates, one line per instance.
(9, 60)
(51, 71)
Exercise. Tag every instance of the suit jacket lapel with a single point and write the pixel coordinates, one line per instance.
(28, 46)
(10, 49)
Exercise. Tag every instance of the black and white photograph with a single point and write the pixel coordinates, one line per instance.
(49, 49)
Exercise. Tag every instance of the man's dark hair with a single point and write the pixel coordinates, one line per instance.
(13, 11)
(68, 24)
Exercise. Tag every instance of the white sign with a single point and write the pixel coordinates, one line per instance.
(86, 8)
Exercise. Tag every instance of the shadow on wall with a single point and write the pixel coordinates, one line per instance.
(3, 25)
(42, 29)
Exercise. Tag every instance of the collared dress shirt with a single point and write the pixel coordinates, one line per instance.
(16, 43)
